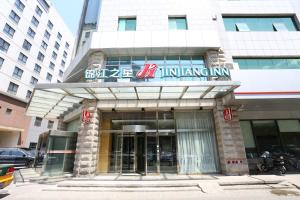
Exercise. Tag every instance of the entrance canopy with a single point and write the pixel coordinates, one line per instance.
(53, 100)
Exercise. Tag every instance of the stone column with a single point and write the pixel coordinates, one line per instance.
(230, 142)
(87, 142)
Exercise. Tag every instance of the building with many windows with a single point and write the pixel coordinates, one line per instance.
(30, 31)
(188, 87)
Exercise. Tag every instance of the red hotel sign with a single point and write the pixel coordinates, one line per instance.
(227, 113)
(85, 116)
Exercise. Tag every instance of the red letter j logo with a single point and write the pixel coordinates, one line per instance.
(147, 72)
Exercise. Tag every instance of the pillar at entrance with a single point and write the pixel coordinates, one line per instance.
(87, 142)
(230, 142)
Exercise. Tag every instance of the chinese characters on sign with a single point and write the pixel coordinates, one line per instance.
(85, 116)
(227, 114)
(150, 71)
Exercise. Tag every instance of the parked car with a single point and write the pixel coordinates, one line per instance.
(6, 175)
(16, 157)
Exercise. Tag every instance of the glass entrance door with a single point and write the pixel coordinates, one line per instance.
(128, 154)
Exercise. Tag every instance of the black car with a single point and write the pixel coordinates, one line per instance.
(16, 157)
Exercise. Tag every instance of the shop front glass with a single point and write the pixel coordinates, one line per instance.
(157, 142)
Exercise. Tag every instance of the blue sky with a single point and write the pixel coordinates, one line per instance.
(70, 10)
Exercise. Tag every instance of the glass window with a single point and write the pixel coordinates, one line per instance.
(50, 124)
(28, 94)
(33, 81)
(51, 65)
(44, 45)
(247, 134)
(260, 23)
(1, 62)
(26, 45)
(59, 36)
(34, 21)
(65, 54)
(50, 25)
(242, 27)
(49, 77)
(19, 5)
(54, 55)
(4, 45)
(47, 35)
(9, 30)
(56, 46)
(268, 63)
(61, 73)
(22, 58)
(8, 111)
(38, 11)
(38, 121)
(63, 63)
(18, 73)
(14, 17)
(289, 125)
(127, 24)
(31, 32)
(12, 88)
(41, 57)
(177, 23)
(267, 135)
(67, 45)
(37, 68)
(87, 34)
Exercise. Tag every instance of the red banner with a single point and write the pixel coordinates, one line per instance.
(227, 113)
(85, 116)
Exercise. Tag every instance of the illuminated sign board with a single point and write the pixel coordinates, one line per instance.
(154, 71)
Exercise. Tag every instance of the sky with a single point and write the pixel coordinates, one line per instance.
(70, 10)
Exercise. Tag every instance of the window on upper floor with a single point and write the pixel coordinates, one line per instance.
(1, 62)
(49, 77)
(12, 88)
(260, 23)
(61, 73)
(50, 124)
(14, 17)
(18, 73)
(33, 81)
(268, 63)
(34, 21)
(41, 57)
(54, 55)
(50, 25)
(87, 34)
(9, 30)
(38, 11)
(22, 58)
(56, 46)
(63, 63)
(51, 65)
(67, 45)
(26, 45)
(177, 23)
(44, 45)
(127, 24)
(59, 36)
(4, 46)
(65, 54)
(19, 5)
(28, 94)
(47, 35)
(31, 32)
(38, 121)
(37, 68)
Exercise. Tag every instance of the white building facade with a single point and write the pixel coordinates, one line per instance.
(36, 47)
(150, 90)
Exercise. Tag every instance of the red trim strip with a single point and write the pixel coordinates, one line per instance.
(289, 92)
